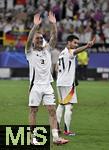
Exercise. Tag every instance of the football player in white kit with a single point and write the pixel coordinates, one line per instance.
(66, 80)
(39, 58)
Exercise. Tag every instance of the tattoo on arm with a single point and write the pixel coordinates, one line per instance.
(53, 35)
(30, 38)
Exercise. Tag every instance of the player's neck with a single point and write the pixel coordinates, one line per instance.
(69, 49)
(38, 49)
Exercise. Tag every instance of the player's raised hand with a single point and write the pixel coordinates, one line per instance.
(91, 43)
(51, 17)
(94, 40)
(37, 19)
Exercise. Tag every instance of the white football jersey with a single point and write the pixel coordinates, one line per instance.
(66, 68)
(40, 66)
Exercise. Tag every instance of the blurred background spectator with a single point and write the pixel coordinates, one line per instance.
(82, 65)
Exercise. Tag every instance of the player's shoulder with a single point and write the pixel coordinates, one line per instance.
(47, 47)
(63, 52)
(29, 53)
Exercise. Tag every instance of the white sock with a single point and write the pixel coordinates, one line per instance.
(67, 116)
(55, 134)
(59, 112)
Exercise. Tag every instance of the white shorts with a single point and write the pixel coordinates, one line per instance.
(41, 93)
(63, 92)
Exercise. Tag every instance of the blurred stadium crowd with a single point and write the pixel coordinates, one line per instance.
(84, 18)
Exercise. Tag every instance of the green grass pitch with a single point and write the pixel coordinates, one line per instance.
(90, 118)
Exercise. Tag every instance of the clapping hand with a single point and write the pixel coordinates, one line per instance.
(37, 19)
(51, 17)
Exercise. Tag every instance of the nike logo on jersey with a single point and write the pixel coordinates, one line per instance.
(42, 61)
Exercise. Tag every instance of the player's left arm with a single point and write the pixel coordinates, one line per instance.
(53, 33)
(83, 48)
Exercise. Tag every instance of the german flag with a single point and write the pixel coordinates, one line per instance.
(9, 39)
(20, 2)
(68, 98)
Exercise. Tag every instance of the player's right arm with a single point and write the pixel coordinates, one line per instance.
(35, 28)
